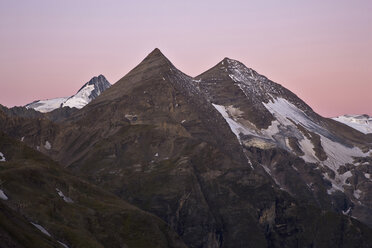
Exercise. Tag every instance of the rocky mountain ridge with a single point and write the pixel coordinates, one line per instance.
(226, 159)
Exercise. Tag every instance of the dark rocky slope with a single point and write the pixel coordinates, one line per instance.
(71, 210)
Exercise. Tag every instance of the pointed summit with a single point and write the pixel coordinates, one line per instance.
(153, 65)
(88, 92)
(100, 84)
(156, 56)
(226, 68)
(156, 52)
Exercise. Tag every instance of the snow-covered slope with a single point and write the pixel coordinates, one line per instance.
(274, 126)
(337, 154)
(47, 105)
(87, 93)
(362, 123)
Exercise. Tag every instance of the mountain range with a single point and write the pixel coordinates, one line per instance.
(228, 158)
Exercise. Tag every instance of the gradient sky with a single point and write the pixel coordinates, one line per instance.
(319, 49)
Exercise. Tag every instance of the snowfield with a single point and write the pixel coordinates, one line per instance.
(81, 98)
(2, 157)
(47, 145)
(41, 229)
(3, 195)
(287, 117)
(85, 95)
(362, 123)
(48, 105)
(337, 153)
(66, 199)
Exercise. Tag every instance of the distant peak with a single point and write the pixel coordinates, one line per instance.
(98, 81)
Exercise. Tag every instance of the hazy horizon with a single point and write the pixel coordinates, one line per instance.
(320, 50)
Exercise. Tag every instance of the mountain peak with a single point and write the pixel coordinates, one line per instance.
(156, 51)
(99, 82)
(154, 62)
(227, 67)
(88, 92)
(156, 54)
(233, 64)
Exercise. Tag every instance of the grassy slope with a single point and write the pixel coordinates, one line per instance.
(95, 218)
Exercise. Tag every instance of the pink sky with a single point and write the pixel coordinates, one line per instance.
(321, 50)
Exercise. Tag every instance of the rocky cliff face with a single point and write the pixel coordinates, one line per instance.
(226, 159)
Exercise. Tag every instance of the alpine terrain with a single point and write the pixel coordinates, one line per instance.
(87, 93)
(161, 159)
(362, 123)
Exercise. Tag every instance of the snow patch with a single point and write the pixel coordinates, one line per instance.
(284, 110)
(339, 154)
(357, 193)
(63, 244)
(347, 211)
(308, 148)
(338, 182)
(331, 191)
(268, 171)
(264, 138)
(362, 123)
(287, 144)
(2, 157)
(47, 145)
(81, 98)
(41, 229)
(3, 195)
(66, 199)
(234, 125)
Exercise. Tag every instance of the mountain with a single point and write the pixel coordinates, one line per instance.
(86, 93)
(362, 123)
(226, 159)
(266, 116)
